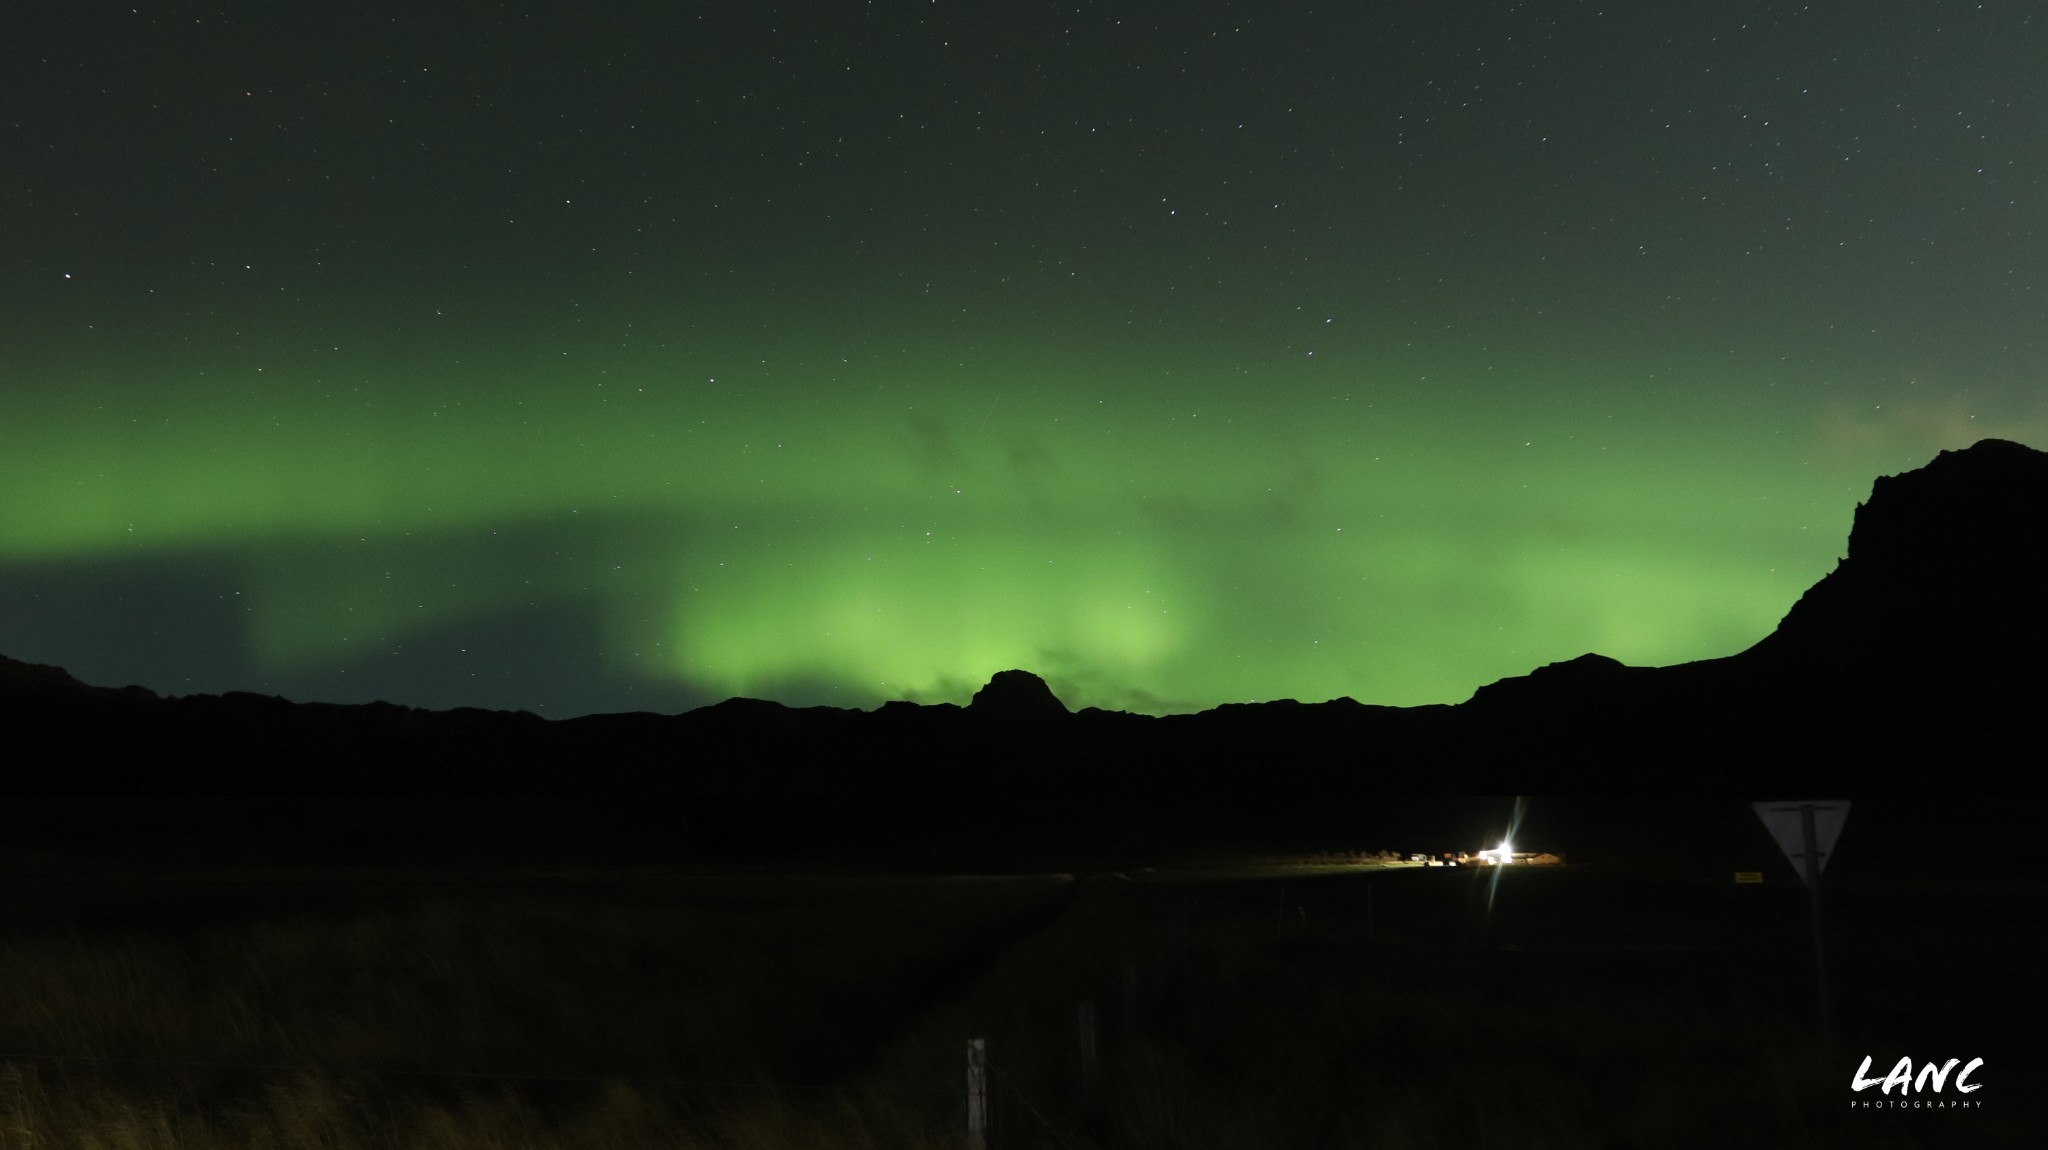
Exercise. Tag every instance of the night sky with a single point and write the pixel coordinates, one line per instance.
(606, 356)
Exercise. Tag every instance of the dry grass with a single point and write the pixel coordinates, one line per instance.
(312, 1112)
(766, 1014)
(722, 1012)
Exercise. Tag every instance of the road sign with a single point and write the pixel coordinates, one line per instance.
(1806, 830)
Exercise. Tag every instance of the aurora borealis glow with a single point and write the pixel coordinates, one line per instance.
(641, 355)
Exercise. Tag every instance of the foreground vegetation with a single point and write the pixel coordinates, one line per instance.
(1390, 1009)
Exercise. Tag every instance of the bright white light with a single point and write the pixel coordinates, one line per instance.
(1506, 852)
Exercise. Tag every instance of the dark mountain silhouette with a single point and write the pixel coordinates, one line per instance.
(1918, 659)
(1017, 695)
(1923, 648)
(1945, 569)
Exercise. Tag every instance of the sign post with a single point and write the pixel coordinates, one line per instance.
(1806, 830)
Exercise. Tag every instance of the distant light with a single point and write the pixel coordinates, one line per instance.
(1506, 852)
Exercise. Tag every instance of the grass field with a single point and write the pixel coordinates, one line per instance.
(1231, 1003)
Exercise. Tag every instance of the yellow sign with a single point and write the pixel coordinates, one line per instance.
(1749, 876)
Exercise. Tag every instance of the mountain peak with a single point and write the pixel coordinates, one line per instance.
(1945, 563)
(1016, 694)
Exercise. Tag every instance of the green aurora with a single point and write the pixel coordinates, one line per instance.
(881, 524)
(482, 359)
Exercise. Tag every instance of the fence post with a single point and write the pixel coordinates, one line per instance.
(1086, 1020)
(977, 1094)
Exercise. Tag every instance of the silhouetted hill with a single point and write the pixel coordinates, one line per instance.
(1017, 695)
(1922, 649)
(1945, 569)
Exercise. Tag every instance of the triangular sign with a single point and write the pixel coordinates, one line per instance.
(1792, 821)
